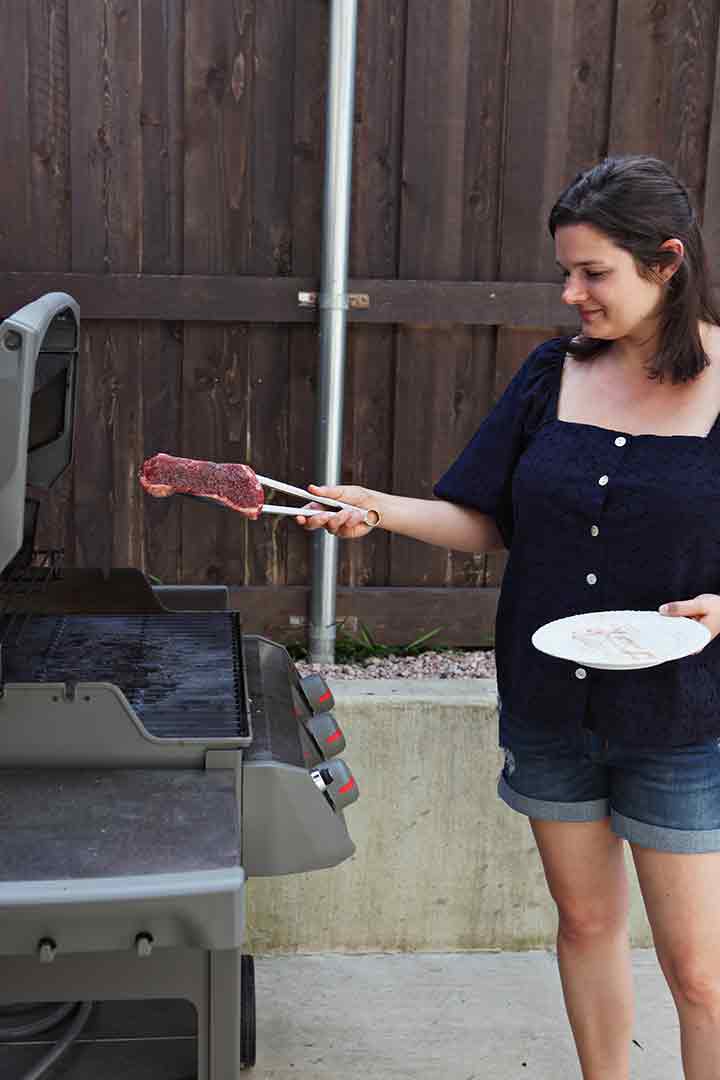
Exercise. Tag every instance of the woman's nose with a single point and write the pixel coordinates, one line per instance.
(573, 292)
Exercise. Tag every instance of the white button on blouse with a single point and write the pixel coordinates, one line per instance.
(603, 480)
(620, 441)
(594, 530)
(580, 673)
(591, 579)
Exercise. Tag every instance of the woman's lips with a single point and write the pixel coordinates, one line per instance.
(590, 314)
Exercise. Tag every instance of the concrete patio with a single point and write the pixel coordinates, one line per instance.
(462, 1016)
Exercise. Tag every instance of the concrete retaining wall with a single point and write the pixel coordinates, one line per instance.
(441, 864)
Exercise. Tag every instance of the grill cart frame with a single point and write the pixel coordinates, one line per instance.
(140, 784)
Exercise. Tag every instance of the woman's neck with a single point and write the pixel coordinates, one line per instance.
(636, 350)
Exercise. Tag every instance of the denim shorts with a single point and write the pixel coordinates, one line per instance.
(665, 799)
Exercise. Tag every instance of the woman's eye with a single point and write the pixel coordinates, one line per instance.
(596, 273)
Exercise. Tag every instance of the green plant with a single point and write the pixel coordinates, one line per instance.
(358, 648)
(372, 647)
(297, 650)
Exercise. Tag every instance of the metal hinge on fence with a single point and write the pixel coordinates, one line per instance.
(354, 300)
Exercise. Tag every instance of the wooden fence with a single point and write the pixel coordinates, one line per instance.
(163, 162)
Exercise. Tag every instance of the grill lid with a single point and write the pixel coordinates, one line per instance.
(38, 353)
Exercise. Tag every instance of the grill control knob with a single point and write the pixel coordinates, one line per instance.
(318, 693)
(340, 784)
(46, 950)
(144, 945)
(326, 732)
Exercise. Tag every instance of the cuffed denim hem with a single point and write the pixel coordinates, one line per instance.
(661, 838)
(543, 810)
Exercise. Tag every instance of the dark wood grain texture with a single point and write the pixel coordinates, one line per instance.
(394, 615)
(664, 71)
(369, 406)
(47, 236)
(163, 163)
(435, 119)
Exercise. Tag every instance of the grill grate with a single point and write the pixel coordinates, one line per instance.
(20, 584)
(182, 673)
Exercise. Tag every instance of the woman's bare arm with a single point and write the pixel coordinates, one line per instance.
(433, 521)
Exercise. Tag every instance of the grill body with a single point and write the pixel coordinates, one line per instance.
(182, 674)
(152, 756)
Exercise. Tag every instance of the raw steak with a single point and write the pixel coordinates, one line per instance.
(233, 485)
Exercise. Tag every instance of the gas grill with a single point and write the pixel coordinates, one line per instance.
(152, 759)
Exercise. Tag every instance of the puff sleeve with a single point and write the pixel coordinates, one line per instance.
(481, 477)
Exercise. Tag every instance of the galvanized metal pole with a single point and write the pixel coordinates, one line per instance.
(333, 304)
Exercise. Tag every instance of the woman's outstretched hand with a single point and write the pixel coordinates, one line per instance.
(347, 524)
(704, 609)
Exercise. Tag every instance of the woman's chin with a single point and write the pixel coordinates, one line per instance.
(597, 328)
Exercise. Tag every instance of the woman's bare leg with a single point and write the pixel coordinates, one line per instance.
(682, 900)
(585, 871)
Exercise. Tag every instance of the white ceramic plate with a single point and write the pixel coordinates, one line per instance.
(621, 640)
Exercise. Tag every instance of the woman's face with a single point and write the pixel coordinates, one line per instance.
(603, 283)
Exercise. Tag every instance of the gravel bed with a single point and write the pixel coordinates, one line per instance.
(428, 665)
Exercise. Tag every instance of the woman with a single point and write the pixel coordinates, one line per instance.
(599, 470)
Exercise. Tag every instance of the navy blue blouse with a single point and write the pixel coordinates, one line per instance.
(594, 520)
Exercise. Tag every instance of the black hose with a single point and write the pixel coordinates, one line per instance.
(63, 1045)
(33, 1027)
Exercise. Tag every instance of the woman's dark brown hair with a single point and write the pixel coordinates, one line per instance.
(638, 203)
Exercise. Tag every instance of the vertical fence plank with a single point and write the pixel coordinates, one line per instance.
(15, 187)
(552, 131)
(217, 224)
(106, 228)
(369, 420)
(483, 173)
(270, 253)
(711, 214)
(162, 60)
(663, 83)
(435, 118)
(310, 67)
(92, 482)
(47, 237)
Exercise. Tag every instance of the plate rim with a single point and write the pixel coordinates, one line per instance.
(630, 666)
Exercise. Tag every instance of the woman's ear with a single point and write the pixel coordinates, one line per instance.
(678, 249)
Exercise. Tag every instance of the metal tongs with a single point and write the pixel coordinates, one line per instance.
(370, 517)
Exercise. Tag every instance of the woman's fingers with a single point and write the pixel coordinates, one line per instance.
(330, 519)
(338, 522)
(357, 496)
(698, 606)
(704, 609)
(315, 521)
(327, 492)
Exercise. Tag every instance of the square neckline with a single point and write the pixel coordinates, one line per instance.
(618, 431)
